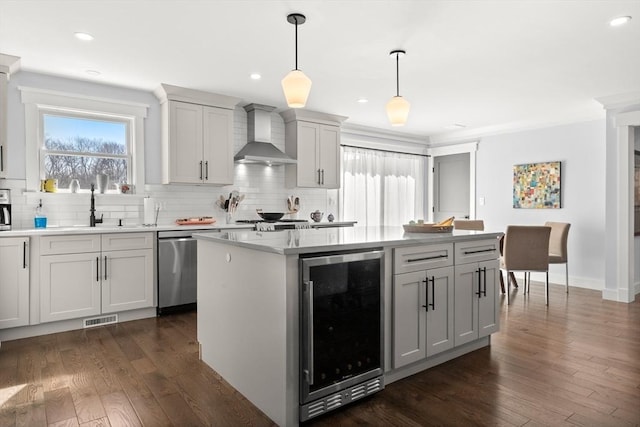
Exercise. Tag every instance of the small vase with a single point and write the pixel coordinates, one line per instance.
(74, 186)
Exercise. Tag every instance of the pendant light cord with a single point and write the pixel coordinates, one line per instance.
(397, 74)
(296, 43)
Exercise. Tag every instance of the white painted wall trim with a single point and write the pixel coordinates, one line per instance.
(365, 137)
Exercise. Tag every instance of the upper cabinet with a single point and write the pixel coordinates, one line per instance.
(313, 139)
(197, 136)
(8, 64)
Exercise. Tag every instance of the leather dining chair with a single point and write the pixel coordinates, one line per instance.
(526, 248)
(468, 224)
(558, 246)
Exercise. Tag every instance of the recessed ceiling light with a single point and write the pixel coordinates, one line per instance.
(363, 100)
(83, 36)
(255, 76)
(93, 72)
(621, 20)
(454, 126)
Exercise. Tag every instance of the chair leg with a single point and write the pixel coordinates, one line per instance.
(501, 282)
(546, 289)
(508, 288)
(512, 277)
(566, 272)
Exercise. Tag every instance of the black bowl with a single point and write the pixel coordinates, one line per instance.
(271, 216)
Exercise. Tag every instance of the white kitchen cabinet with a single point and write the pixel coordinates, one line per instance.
(87, 275)
(8, 65)
(313, 139)
(477, 312)
(422, 302)
(197, 136)
(14, 282)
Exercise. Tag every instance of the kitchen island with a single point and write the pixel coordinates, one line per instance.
(249, 303)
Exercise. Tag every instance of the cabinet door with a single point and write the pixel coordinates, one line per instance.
(3, 125)
(14, 282)
(409, 318)
(127, 280)
(218, 145)
(466, 303)
(69, 286)
(308, 169)
(439, 288)
(185, 143)
(488, 305)
(329, 156)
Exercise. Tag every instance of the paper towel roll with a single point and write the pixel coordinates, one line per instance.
(149, 211)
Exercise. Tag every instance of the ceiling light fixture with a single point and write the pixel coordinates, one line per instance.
(83, 36)
(363, 100)
(93, 72)
(296, 85)
(621, 20)
(398, 107)
(255, 76)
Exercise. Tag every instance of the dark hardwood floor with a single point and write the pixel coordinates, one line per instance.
(576, 362)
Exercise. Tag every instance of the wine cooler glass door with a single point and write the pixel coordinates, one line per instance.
(341, 322)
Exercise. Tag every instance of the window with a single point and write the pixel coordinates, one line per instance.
(80, 146)
(72, 136)
(382, 188)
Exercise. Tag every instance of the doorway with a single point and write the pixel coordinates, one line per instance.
(451, 186)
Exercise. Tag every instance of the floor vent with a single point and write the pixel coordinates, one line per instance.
(99, 321)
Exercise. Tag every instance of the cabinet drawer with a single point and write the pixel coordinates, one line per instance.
(477, 250)
(73, 244)
(416, 258)
(127, 241)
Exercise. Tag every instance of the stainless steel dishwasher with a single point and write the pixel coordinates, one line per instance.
(177, 271)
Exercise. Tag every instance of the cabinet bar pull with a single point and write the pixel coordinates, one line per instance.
(319, 182)
(1, 158)
(480, 251)
(97, 269)
(433, 292)
(206, 170)
(426, 293)
(427, 258)
(24, 255)
(309, 326)
(105, 267)
(484, 279)
(200, 169)
(322, 174)
(479, 293)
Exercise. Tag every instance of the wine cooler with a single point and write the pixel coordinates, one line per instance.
(341, 308)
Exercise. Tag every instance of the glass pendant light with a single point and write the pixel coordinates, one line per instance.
(398, 107)
(296, 85)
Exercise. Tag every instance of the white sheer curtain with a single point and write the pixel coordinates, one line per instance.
(381, 188)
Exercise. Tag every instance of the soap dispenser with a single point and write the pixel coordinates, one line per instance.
(40, 218)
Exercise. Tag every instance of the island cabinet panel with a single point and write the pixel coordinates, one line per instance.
(14, 282)
(116, 274)
(422, 302)
(476, 294)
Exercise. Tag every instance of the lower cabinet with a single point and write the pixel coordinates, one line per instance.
(423, 314)
(88, 275)
(14, 282)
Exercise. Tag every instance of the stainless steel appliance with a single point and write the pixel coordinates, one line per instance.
(5, 209)
(177, 271)
(341, 325)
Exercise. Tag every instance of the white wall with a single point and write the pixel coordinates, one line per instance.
(581, 149)
(263, 186)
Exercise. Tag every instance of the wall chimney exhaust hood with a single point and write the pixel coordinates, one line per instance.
(259, 149)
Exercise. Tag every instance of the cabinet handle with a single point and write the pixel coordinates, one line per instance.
(97, 269)
(427, 258)
(1, 158)
(426, 294)
(433, 292)
(309, 327)
(319, 182)
(105, 267)
(200, 169)
(479, 293)
(206, 170)
(322, 174)
(484, 280)
(24, 255)
(479, 251)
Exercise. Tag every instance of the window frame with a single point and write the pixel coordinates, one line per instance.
(38, 102)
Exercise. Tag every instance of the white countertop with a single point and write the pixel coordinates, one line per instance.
(101, 228)
(287, 242)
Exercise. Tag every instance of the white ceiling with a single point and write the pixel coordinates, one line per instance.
(491, 65)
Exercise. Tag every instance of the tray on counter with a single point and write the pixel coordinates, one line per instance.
(427, 228)
(202, 220)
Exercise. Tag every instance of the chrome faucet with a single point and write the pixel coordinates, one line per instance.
(92, 219)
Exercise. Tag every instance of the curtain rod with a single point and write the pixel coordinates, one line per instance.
(385, 151)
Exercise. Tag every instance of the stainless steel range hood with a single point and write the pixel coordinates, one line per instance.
(259, 149)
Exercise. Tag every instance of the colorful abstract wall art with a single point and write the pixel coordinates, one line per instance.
(536, 186)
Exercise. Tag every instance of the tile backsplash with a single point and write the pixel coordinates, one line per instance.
(263, 187)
